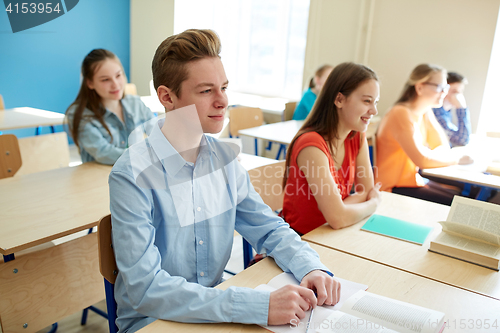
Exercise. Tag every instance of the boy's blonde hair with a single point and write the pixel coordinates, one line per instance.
(171, 57)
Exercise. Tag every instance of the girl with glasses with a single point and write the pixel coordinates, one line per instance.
(410, 138)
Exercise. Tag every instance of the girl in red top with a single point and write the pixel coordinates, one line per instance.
(329, 155)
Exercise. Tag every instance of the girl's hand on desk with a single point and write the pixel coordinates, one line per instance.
(465, 159)
(289, 304)
(375, 193)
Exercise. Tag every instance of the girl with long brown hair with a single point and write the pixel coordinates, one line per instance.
(102, 117)
(329, 155)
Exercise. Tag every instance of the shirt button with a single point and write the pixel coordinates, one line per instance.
(200, 242)
(194, 173)
(202, 274)
(198, 209)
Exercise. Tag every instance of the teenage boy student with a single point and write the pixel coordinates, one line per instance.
(176, 199)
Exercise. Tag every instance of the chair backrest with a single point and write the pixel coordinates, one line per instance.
(10, 156)
(2, 106)
(244, 117)
(267, 181)
(289, 110)
(107, 262)
(44, 152)
(108, 268)
(130, 89)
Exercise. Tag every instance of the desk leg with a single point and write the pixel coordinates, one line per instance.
(53, 329)
(466, 190)
(484, 193)
(282, 149)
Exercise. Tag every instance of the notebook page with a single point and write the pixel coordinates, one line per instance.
(400, 316)
(340, 322)
(348, 288)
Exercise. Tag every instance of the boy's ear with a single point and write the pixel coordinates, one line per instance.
(166, 97)
(339, 100)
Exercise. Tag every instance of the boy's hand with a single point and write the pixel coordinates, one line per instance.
(457, 100)
(326, 287)
(289, 304)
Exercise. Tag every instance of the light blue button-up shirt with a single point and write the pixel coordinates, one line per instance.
(95, 142)
(173, 225)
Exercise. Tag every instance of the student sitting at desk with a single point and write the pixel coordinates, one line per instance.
(329, 155)
(454, 103)
(102, 117)
(409, 137)
(315, 85)
(178, 196)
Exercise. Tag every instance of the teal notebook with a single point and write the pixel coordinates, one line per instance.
(387, 226)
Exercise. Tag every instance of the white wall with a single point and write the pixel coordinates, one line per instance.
(331, 35)
(151, 21)
(396, 35)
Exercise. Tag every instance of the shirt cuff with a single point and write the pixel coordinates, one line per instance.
(303, 263)
(250, 306)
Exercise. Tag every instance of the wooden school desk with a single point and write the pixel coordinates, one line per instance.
(484, 151)
(459, 305)
(17, 118)
(44, 286)
(250, 162)
(468, 174)
(407, 256)
(284, 132)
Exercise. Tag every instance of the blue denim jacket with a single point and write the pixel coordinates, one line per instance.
(95, 142)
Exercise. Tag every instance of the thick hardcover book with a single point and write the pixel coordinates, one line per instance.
(471, 233)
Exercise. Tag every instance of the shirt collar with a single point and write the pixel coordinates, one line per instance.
(171, 160)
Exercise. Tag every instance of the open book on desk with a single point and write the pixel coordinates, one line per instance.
(365, 312)
(471, 233)
(370, 312)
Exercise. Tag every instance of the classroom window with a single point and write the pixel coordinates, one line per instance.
(263, 41)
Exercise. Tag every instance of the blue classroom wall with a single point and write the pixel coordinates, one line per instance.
(40, 67)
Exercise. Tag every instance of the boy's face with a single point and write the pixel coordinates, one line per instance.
(205, 87)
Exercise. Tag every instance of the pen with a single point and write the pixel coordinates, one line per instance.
(310, 320)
